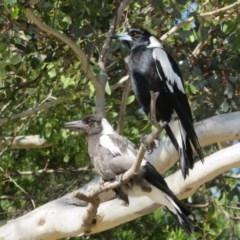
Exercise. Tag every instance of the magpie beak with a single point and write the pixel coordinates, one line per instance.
(122, 37)
(76, 126)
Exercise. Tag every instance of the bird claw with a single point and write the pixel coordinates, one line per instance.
(148, 143)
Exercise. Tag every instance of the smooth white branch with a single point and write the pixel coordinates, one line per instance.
(23, 142)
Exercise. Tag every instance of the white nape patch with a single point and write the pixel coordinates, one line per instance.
(107, 143)
(154, 43)
(107, 128)
(161, 56)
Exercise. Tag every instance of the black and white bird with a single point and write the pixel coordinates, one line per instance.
(112, 155)
(152, 68)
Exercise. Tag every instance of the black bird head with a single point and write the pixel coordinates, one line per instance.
(90, 125)
(135, 36)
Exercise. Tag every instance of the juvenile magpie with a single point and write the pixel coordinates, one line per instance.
(112, 155)
(152, 68)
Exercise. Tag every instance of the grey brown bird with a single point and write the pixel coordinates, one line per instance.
(152, 68)
(112, 155)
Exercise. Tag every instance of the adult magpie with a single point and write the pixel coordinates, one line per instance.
(112, 155)
(152, 68)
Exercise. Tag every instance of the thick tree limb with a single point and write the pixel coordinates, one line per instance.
(49, 220)
(220, 128)
(23, 142)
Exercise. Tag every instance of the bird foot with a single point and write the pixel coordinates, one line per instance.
(149, 143)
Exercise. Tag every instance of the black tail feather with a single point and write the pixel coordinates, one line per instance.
(181, 215)
(185, 155)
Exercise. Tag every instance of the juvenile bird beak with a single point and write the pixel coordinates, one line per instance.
(76, 126)
(122, 37)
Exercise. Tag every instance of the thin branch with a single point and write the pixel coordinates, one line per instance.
(100, 97)
(37, 108)
(76, 49)
(58, 170)
(210, 14)
(228, 216)
(123, 106)
(120, 83)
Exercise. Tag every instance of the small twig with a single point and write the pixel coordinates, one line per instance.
(228, 216)
(48, 171)
(153, 118)
(203, 205)
(91, 211)
(120, 83)
(123, 107)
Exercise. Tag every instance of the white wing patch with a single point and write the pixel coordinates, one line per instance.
(107, 143)
(160, 55)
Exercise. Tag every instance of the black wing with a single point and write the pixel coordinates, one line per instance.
(170, 76)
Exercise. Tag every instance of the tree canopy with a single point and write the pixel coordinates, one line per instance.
(57, 64)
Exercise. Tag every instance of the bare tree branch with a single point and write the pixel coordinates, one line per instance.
(48, 171)
(37, 108)
(76, 49)
(23, 142)
(123, 106)
(220, 128)
(100, 100)
(120, 83)
(227, 9)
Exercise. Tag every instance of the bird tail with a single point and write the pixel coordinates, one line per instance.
(181, 214)
(175, 206)
(182, 144)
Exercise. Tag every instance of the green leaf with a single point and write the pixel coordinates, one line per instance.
(67, 81)
(66, 158)
(191, 38)
(15, 10)
(187, 26)
(2, 47)
(193, 89)
(10, 1)
(107, 88)
(204, 33)
(15, 60)
(130, 99)
(224, 27)
(52, 73)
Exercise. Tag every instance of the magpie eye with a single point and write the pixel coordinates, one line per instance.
(135, 34)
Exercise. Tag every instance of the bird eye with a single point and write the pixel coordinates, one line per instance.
(135, 34)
